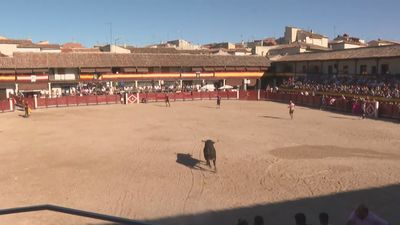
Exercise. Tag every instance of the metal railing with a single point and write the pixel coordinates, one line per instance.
(75, 212)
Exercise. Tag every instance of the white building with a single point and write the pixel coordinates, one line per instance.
(294, 34)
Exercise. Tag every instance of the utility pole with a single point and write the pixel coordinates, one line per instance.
(111, 35)
(334, 31)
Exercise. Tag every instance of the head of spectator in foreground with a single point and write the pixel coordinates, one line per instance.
(300, 219)
(258, 220)
(242, 222)
(323, 218)
(362, 211)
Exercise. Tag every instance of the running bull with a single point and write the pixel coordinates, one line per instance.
(210, 153)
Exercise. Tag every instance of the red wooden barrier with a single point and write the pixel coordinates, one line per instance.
(101, 99)
(213, 95)
(187, 95)
(4, 105)
(72, 100)
(178, 96)
(196, 95)
(386, 110)
(396, 111)
(62, 101)
(223, 94)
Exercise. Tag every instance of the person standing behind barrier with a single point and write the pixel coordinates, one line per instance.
(258, 220)
(323, 218)
(167, 104)
(218, 101)
(26, 109)
(300, 219)
(362, 216)
(323, 102)
(363, 107)
(291, 109)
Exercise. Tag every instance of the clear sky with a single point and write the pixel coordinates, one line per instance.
(142, 22)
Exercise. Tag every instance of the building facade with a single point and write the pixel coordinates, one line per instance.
(48, 73)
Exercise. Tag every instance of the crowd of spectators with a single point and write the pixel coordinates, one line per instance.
(360, 216)
(106, 89)
(373, 87)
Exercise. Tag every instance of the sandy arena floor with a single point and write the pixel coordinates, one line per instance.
(142, 162)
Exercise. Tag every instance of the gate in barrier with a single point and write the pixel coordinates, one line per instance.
(131, 98)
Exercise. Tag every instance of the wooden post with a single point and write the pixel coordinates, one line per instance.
(11, 104)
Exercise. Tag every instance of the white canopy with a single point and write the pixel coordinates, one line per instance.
(225, 87)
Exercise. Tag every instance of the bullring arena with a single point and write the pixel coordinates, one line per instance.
(144, 162)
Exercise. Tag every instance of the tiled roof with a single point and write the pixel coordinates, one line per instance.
(80, 50)
(300, 45)
(41, 46)
(15, 41)
(153, 50)
(357, 53)
(72, 45)
(89, 60)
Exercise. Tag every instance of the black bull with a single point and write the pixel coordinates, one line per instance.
(210, 153)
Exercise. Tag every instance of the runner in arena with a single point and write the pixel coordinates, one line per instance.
(218, 101)
(291, 109)
(27, 110)
(167, 104)
(363, 108)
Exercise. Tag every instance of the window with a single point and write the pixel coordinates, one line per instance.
(154, 69)
(61, 71)
(336, 67)
(384, 69)
(363, 69)
(373, 70)
(288, 69)
(116, 70)
(345, 69)
(304, 69)
(330, 69)
(316, 69)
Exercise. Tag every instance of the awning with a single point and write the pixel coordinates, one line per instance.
(32, 86)
(11, 72)
(129, 70)
(253, 68)
(40, 70)
(103, 70)
(209, 69)
(142, 70)
(87, 70)
(23, 71)
(197, 69)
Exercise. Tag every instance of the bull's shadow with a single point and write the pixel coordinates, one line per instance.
(187, 160)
